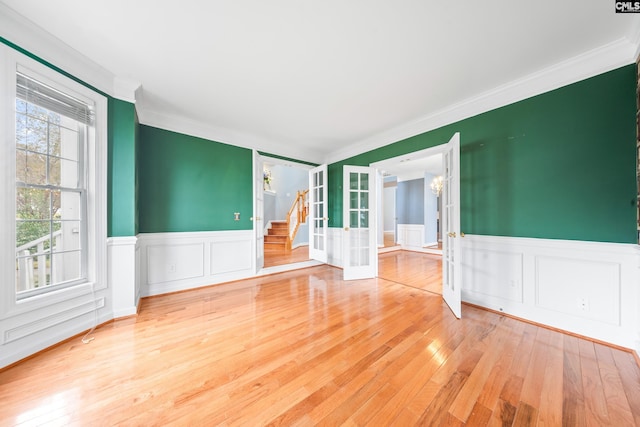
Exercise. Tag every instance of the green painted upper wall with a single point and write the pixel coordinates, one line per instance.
(192, 184)
(560, 165)
(121, 183)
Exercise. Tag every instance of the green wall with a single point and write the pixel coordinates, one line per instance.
(192, 184)
(560, 165)
(121, 182)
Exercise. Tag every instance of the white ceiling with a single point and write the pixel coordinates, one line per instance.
(310, 78)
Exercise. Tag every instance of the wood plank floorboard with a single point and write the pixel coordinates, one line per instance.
(419, 270)
(389, 239)
(273, 257)
(306, 348)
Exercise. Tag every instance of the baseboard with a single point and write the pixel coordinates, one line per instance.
(384, 250)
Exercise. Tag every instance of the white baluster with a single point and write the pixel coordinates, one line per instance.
(42, 265)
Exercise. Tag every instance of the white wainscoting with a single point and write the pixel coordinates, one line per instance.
(123, 275)
(411, 236)
(172, 262)
(587, 288)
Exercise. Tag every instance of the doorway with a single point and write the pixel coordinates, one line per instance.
(284, 192)
(410, 219)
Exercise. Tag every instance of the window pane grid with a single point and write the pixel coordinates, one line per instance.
(51, 198)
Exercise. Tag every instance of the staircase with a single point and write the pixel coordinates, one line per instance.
(276, 240)
(282, 233)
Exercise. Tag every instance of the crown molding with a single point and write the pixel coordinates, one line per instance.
(597, 61)
(126, 89)
(223, 135)
(25, 34)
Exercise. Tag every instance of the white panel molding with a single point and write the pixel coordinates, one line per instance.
(122, 275)
(494, 273)
(335, 236)
(26, 329)
(26, 334)
(587, 288)
(173, 262)
(170, 262)
(584, 288)
(411, 236)
(591, 63)
(226, 258)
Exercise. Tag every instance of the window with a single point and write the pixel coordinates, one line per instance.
(51, 195)
(53, 188)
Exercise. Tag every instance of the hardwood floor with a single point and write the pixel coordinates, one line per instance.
(279, 257)
(389, 239)
(415, 269)
(306, 348)
(438, 246)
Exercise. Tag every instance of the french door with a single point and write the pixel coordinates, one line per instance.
(360, 252)
(318, 213)
(451, 234)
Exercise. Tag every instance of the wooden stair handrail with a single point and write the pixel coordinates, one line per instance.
(301, 210)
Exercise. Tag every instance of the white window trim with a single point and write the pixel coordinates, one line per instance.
(10, 60)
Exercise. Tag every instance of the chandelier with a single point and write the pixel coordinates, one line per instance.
(436, 185)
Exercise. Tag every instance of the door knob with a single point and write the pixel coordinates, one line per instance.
(346, 229)
(452, 234)
(461, 234)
